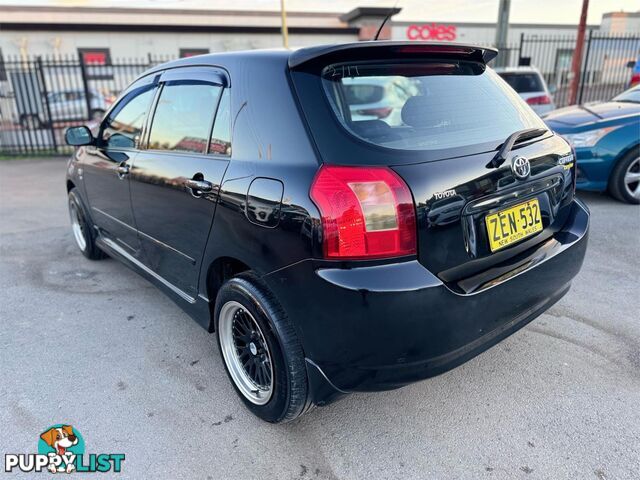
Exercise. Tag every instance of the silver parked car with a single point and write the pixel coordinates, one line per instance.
(64, 105)
(530, 85)
(71, 105)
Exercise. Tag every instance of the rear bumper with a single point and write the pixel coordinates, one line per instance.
(382, 327)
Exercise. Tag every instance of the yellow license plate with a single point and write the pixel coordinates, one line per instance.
(513, 224)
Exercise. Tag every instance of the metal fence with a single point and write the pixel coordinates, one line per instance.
(507, 56)
(606, 64)
(41, 97)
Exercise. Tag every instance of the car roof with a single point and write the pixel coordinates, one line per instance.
(516, 70)
(223, 58)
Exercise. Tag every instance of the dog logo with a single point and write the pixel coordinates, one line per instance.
(60, 439)
(61, 449)
(520, 167)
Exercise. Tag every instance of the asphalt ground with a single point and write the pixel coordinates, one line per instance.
(94, 345)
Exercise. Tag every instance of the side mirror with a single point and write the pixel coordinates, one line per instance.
(78, 136)
(553, 89)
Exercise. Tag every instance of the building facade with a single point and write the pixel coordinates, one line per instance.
(104, 33)
(170, 33)
(100, 34)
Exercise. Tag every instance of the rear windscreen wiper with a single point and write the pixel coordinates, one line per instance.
(518, 136)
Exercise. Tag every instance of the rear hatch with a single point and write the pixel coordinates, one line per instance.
(441, 129)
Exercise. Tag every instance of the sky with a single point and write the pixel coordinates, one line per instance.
(522, 11)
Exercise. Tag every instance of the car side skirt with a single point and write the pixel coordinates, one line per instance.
(197, 308)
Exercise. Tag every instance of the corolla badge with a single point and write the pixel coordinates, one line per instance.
(565, 159)
(521, 167)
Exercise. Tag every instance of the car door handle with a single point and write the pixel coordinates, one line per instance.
(122, 170)
(199, 185)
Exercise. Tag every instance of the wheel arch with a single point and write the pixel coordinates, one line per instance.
(218, 272)
(617, 190)
(622, 155)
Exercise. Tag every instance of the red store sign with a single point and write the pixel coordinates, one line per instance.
(432, 31)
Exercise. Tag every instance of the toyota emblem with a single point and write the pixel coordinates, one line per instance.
(521, 167)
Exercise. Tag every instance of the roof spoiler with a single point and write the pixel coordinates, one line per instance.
(377, 50)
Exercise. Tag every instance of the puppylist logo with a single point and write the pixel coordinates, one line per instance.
(61, 449)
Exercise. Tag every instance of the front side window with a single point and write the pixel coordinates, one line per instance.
(123, 127)
(430, 105)
(221, 136)
(183, 117)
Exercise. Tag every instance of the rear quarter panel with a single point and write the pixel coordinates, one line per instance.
(269, 140)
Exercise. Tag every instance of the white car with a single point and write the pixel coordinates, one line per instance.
(530, 85)
(378, 98)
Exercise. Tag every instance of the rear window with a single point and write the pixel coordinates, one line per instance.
(523, 82)
(427, 106)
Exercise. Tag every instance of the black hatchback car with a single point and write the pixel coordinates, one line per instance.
(347, 218)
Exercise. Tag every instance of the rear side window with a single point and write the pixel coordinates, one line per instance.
(427, 105)
(523, 82)
(183, 117)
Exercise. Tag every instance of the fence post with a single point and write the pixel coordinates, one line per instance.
(520, 48)
(583, 76)
(85, 83)
(45, 94)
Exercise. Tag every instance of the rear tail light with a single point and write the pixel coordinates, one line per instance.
(382, 112)
(367, 212)
(540, 100)
(635, 79)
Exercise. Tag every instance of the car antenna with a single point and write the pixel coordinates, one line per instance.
(392, 10)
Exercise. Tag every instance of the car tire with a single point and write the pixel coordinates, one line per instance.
(619, 185)
(252, 328)
(82, 228)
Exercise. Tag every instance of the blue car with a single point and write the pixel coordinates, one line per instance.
(606, 138)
